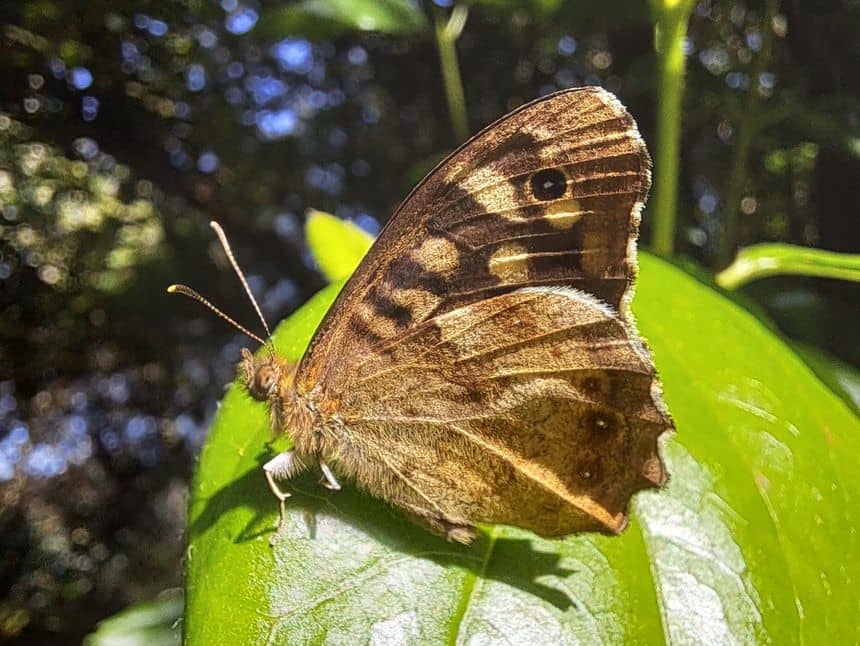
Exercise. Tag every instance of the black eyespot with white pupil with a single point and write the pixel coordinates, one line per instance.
(549, 184)
(600, 425)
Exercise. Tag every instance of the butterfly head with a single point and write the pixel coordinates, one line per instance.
(266, 377)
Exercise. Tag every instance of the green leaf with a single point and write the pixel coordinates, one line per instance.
(763, 260)
(337, 245)
(155, 623)
(331, 18)
(752, 540)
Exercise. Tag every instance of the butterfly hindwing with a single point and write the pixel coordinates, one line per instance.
(532, 408)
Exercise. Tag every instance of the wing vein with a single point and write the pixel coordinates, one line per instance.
(529, 372)
(526, 236)
(524, 342)
(528, 255)
(471, 295)
(480, 214)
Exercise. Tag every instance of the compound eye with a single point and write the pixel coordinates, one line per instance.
(267, 378)
(264, 381)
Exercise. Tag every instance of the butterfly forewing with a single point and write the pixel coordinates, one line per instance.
(490, 219)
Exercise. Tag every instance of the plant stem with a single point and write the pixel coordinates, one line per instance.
(763, 260)
(748, 126)
(670, 32)
(447, 34)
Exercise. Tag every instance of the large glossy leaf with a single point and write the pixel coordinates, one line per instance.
(754, 538)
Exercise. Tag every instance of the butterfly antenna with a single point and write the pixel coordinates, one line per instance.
(222, 238)
(190, 293)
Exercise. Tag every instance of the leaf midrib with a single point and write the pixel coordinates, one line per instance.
(471, 582)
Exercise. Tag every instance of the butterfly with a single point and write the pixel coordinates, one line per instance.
(482, 364)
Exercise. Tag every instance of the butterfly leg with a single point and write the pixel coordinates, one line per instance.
(328, 481)
(438, 524)
(458, 532)
(281, 467)
(464, 534)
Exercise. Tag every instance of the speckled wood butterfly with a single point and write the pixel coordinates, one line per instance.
(482, 364)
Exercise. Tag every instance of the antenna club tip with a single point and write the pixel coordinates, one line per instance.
(214, 225)
(171, 289)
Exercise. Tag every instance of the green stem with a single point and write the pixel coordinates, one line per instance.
(447, 34)
(670, 31)
(763, 260)
(748, 127)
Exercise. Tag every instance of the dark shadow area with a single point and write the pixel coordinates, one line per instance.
(514, 562)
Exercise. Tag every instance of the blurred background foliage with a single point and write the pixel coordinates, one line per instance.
(126, 126)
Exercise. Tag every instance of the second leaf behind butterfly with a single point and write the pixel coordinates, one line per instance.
(482, 365)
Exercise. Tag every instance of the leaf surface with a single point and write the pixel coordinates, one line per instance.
(336, 244)
(752, 540)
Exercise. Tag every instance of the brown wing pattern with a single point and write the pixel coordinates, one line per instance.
(549, 195)
(534, 409)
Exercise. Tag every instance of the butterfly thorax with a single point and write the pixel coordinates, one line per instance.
(270, 379)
